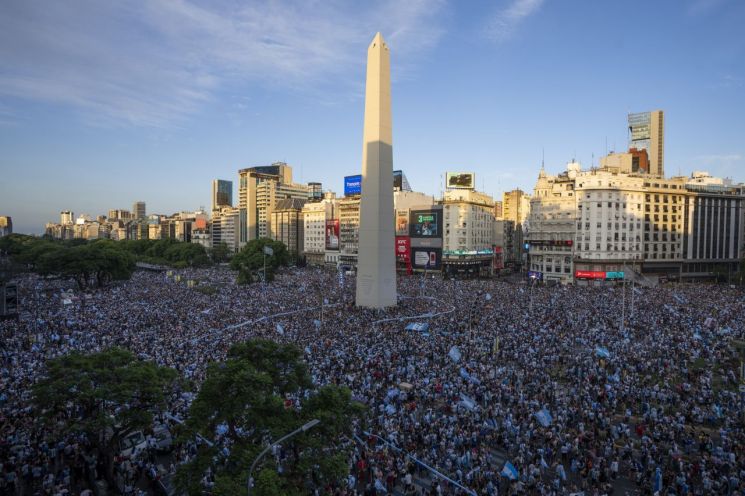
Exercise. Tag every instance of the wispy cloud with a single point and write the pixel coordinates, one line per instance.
(154, 63)
(702, 7)
(502, 26)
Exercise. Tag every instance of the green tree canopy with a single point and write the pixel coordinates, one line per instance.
(113, 392)
(220, 253)
(246, 396)
(249, 262)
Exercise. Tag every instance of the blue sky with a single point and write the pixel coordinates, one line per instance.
(105, 103)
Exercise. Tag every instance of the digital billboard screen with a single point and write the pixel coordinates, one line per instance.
(353, 185)
(425, 224)
(460, 180)
(332, 234)
(426, 258)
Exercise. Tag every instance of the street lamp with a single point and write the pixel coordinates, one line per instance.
(300, 429)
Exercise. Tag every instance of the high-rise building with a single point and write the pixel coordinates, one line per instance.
(315, 192)
(6, 225)
(138, 210)
(287, 224)
(222, 194)
(515, 206)
(647, 132)
(321, 231)
(66, 217)
(468, 232)
(225, 228)
(258, 191)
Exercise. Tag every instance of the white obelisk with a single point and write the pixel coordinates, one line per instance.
(376, 262)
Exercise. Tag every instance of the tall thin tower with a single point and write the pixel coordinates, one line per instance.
(376, 265)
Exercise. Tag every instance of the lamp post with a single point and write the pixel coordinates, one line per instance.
(300, 429)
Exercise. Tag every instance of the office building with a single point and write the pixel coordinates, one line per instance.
(349, 231)
(259, 190)
(647, 132)
(315, 192)
(222, 194)
(468, 232)
(287, 225)
(66, 218)
(594, 226)
(225, 228)
(321, 231)
(138, 210)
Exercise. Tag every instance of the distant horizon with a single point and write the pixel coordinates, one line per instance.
(154, 100)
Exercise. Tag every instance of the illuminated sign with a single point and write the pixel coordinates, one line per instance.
(550, 242)
(589, 274)
(460, 180)
(614, 275)
(425, 224)
(534, 274)
(353, 185)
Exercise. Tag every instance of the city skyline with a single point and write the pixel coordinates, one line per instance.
(514, 78)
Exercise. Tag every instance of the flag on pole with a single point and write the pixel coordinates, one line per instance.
(268, 250)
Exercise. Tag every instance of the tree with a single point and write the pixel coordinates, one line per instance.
(113, 394)
(91, 265)
(244, 397)
(250, 260)
(220, 253)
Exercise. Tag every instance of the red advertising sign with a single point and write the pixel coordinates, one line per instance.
(589, 274)
(403, 248)
(498, 257)
(332, 234)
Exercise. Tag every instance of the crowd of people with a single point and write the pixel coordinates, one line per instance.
(509, 390)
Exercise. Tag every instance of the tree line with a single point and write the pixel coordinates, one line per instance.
(93, 264)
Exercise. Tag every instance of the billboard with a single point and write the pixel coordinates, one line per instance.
(403, 249)
(332, 234)
(589, 274)
(534, 274)
(460, 180)
(425, 224)
(353, 185)
(402, 223)
(426, 258)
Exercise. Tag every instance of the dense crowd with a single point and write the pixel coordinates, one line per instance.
(499, 395)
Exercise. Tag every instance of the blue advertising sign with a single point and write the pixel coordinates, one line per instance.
(534, 274)
(353, 185)
(614, 275)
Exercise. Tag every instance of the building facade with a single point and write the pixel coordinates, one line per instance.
(287, 225)
(647, 132)
(222, 194)
(138, 210)
(6, 225)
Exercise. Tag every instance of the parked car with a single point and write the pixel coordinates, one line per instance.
(132, 444)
